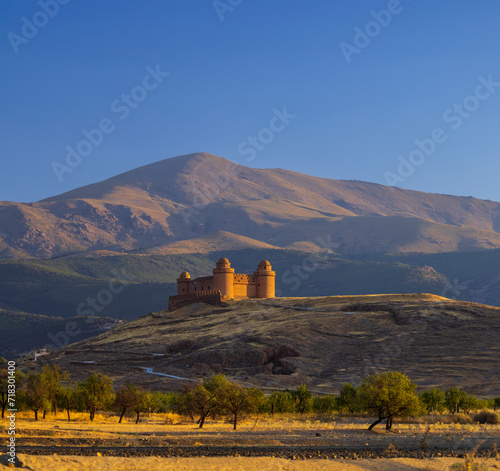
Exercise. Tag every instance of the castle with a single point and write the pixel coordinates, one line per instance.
(224, 285)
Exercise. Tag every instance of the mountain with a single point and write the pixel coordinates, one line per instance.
(281, 343)
(206, 201)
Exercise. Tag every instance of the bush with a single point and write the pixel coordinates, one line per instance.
(324, 404)
(487, 417)
(172, 418)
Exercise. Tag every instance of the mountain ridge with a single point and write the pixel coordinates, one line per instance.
(201, 195)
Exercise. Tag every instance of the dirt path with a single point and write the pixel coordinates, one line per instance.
(97, 463)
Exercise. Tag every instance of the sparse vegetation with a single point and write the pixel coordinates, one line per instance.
(487, 417)
(387, 396)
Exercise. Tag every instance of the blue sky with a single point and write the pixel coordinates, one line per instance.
(352, 117)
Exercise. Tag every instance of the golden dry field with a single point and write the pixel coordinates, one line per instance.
(168, 441)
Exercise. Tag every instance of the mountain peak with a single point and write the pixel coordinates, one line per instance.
(195, 195)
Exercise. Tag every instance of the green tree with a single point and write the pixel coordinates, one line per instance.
(433, 399)
(453, 399)
(496, 403)
(388, 395)
(128, 397)
(205, 398)
(68, 399)
(52, 377)
(280, 402)
(347, 399)
(470, 402)
(35, 393)
(303, 399)
(142, 405)
(324, 404)
(237, 400)
(165, 402)
(96, 392)
(4, 384)
(186, 404)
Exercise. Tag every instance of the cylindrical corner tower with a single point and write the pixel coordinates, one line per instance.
(183, 283)
(265, 279)
(224, 278)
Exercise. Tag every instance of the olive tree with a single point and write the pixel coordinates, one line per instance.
(128, 397)
(454, 398)
(96, 392)
(433, 399)
(388, 395)
(35, 395)
(303, 399)
(237, 400)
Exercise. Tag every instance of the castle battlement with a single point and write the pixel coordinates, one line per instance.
(224, 285)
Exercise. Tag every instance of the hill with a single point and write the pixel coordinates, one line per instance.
(63, 288)
(202, 199)
(321, 341)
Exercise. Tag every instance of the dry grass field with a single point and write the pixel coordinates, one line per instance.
(284, 443)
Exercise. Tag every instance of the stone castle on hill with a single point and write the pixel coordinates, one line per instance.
(224, 285)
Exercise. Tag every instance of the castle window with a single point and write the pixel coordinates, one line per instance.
(183, 289)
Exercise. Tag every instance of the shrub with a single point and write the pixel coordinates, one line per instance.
(487, 417)
(172, 418)
(324, 404)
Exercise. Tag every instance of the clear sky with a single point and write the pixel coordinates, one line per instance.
(361, 86)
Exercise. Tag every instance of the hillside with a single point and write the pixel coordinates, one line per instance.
(205, 200)
(322, 341)
(61, 288)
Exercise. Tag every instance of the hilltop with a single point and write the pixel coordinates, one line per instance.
(282, 342)
(204, 200)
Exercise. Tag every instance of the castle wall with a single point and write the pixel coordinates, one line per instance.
(208, 297)
(205, 283)
(244, 286)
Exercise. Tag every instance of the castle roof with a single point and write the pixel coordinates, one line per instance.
(223, 263)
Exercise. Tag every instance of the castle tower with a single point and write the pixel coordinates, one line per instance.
(183, 283)
(223, 279)
(265, 278)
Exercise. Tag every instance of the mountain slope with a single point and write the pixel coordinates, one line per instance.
(322, 342)
(198, 195)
